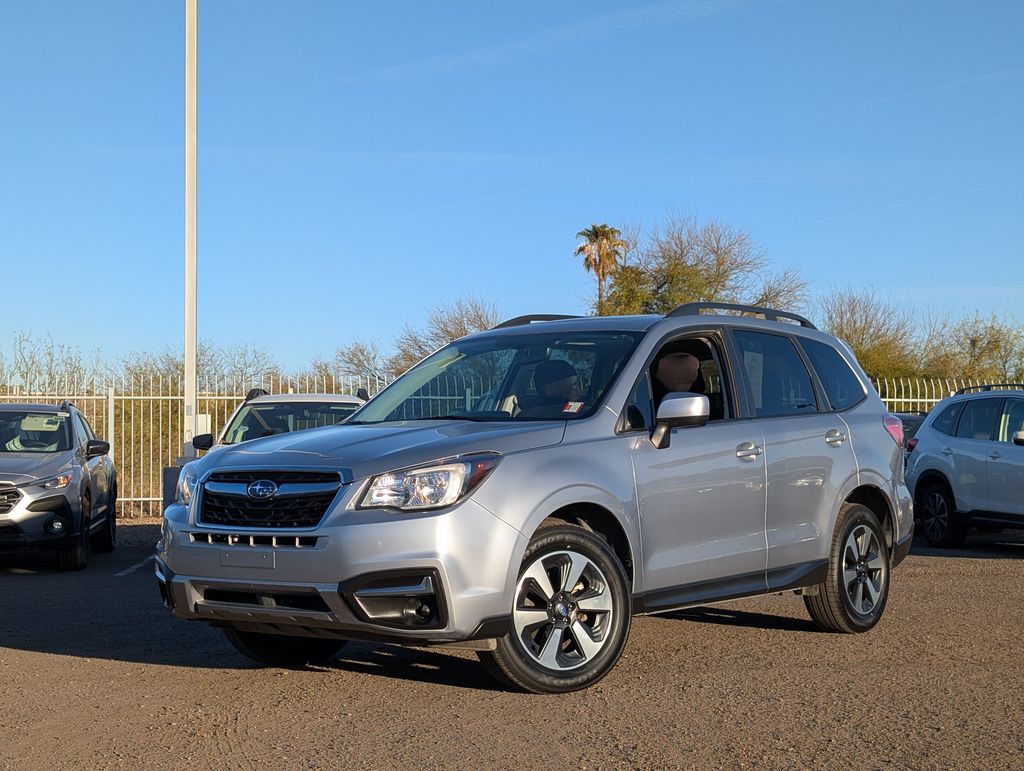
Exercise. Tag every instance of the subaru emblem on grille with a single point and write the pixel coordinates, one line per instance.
(262, 488)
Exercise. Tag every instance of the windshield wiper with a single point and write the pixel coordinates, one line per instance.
(473, 418)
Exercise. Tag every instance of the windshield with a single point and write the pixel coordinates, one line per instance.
(530, 376)
(34, 432)
(268, 418)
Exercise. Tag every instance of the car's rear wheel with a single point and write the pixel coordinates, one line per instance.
(105, 540)
(938, 515)
(856, 590)
(278, 650)
(76, 555)
(570, 615)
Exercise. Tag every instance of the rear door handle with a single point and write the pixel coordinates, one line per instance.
(947, 451)
(995, 455)
(834, 437)
(748, 451)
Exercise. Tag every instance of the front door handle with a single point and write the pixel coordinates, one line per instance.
(995, 455)
(947, 450)
(834, 437)
(748, 451)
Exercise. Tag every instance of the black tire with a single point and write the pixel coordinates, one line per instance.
(574, 610)
(938, 517)
(105, 540)
(855, 593)
(278, 650)
(76, 556)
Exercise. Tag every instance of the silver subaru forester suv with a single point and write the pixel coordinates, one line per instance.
(526, 490)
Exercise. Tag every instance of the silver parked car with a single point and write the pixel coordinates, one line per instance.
(263, 414)
(58, 487)
(526, 490)
(966, 463)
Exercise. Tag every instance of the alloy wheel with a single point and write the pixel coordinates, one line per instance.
(864, 573)
(936, 516)
(563, 611)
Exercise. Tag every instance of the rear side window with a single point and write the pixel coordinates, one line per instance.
(979, 419)
(1013, 419)
(842, 387)
(945, 423)
(779, 381)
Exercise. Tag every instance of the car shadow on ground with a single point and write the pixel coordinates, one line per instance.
(422, 665)
(727, 616)
(1008, 544)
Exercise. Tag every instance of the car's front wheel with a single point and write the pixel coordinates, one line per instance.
(76, 555)
(278, 650)
(106, 539)
(570, 615)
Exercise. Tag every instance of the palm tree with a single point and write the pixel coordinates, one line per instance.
(602, 253)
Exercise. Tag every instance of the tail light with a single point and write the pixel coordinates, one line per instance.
(911, 444)
(895, 428)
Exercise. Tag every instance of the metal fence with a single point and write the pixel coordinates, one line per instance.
(142, 417)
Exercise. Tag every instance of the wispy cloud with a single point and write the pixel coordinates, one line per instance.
(673, 12)
(942, 86)
(916, 202)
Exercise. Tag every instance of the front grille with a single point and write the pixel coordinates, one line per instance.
(9, 498)
(282, 511)
(273, 541)
(278, 477)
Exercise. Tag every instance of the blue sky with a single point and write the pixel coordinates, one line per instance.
(362, 163)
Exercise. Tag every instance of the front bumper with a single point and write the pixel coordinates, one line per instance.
(24, 527)
(360, 575)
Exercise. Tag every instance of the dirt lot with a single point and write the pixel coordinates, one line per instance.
(94, 673)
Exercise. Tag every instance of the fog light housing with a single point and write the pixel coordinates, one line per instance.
(406, 599)
(56, 525)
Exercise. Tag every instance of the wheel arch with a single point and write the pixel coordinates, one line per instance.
(603, 523)
(875, 499)
(929, 477)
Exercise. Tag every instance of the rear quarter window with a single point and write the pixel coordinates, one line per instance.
(945, 421)
(842, 386)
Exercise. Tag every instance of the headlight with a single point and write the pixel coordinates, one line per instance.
(428, 487)
(187, 481)
(55, 483)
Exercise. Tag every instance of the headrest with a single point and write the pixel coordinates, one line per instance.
(551, 371)
(678, 372)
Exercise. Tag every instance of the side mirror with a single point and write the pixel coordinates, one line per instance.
(202, 441)
(96, 447)
(679, 410)
(1018, 438)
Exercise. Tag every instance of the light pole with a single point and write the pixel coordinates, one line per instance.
(189, 427)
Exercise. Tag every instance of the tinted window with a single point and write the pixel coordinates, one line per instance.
(1013, 419)
(841, 385)
(779, 381)
(945, 423)
(979, 419)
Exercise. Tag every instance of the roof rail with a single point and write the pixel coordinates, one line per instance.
(254, 393)
(769, 314)
(519, 321)
(65, 405)
(987, 387)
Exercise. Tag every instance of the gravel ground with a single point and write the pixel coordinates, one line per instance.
(95, 673)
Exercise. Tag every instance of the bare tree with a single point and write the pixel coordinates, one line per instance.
(881, 334)
(444, 324)
(975, 347)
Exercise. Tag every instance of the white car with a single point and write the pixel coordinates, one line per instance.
(263, 414)
(966, 463)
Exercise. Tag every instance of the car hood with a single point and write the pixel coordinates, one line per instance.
(20, 468)
(359, 451)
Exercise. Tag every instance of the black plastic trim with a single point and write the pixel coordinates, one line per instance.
(348, 588)
(902, 549)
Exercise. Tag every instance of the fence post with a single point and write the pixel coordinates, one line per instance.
(110, 421)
